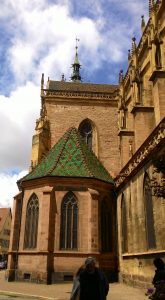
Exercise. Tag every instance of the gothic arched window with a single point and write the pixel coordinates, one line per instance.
(31, 225)
(150, 231)
(106, 227)
(69, 222)
(85, 130)
(124, 227)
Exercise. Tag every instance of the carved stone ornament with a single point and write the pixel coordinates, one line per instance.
(144, 152)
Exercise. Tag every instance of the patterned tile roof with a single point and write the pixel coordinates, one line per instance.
(70, 157)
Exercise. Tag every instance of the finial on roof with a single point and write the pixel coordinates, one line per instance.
(42, 85)
(133, 45)
(143, 25)
(76, 66)
(63, 77)
(42, 81)
(121, 77)
(129, 54)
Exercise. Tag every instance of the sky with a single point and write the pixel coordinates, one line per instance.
(39, 36)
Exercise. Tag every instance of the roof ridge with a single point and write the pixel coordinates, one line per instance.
(65, 138)
(79, 139)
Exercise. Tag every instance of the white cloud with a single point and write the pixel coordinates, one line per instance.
(9, 188)
(43, 40)
(18, 114)
(40, 38)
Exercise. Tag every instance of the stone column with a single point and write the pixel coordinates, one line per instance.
(94, 228)
(158, 79)
(44, 236)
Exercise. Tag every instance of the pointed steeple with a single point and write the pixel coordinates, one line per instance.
(76, 67)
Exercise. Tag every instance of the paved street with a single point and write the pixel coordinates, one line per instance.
(12, 297)
(27, 291)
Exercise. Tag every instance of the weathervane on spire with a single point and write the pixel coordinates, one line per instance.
(76, 77)
(77, 40)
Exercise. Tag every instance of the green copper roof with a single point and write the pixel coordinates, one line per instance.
(76, 61)
(70, 157)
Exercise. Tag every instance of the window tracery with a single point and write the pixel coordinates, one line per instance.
(31, 225)
(69, 222)
(86, 132)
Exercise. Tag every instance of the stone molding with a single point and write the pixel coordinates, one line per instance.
(141, 108)
(110, 96)
(153, 142)
(125, 132)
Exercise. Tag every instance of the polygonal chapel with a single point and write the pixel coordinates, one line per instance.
(96, 184)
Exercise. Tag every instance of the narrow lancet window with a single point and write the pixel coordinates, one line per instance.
(85, 130)
(124, 227)
(69, 222)
(31, 226)
(150, 231)
(106, 227)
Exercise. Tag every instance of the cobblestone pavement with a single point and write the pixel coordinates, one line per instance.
(27, 291)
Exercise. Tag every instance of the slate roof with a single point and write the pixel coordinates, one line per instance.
(70, 157)
(81, 87)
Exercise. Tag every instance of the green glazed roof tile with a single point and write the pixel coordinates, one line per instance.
(70, 157)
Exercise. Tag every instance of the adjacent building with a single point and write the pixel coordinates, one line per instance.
(5, 227)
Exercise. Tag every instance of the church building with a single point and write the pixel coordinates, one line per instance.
(96, 184)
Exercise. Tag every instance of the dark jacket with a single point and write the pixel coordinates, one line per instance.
(159, 276)
(93, 285)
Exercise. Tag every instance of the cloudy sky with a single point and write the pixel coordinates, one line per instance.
(38, 36)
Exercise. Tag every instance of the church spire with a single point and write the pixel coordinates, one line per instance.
(76, 66)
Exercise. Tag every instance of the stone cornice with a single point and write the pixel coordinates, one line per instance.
(82, 95)
(64, 182)
(157, 74)
(143, 154)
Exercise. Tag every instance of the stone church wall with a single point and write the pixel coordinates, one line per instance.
(136, 265)
(103, 118)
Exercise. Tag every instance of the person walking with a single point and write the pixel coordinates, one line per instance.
(159, 272)
(93, 282)
(158, 293)
(75, 293)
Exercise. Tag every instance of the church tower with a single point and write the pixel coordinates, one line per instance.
(41, 138)
(66, 209)
(76, 77)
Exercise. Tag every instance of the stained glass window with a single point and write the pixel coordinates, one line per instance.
(69, 222)
(31, 226)
(85, 130)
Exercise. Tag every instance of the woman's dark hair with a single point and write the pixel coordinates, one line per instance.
(159, 263)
